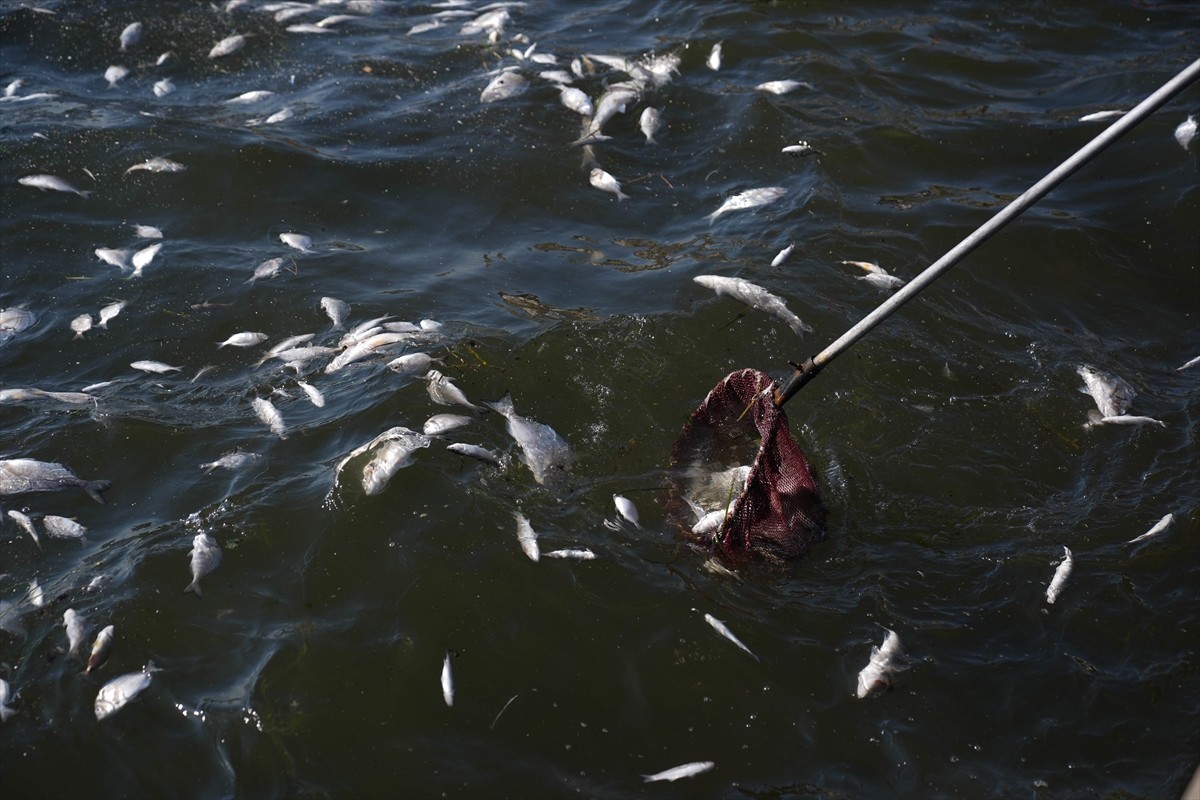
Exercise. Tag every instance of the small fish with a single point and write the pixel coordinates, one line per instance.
(76, 628)
(228, 46)
(575, 100)
(14, 321)
(270, 416)
(381, 473)
(574, 553)
(250, 97)
(25, 523)
(235, 460)
(442, 391)
(282, 115)
(615, 100)
(109, 312)
(876, 275)
(885, 662)
(799, 149)
(721, 628)
(336, 310)
(142, 258)
(1096, 116)
(1186, 131)
(243, 339)
(1158, 528)
(6, 711)
(504, 86)
(751, 198)
(314, 394)
(20, 475)
(155, 367)
(422, 27)
(782, 87)
(81, 325)
(297, 241)
(1189, 364)
(412, 363)
(1095, 418)
(754, 296)
(1060, 576)
(474, 451)
(606, 183)
(114, 74)
(1113, 396)
(650, 122)
(63, 527)
(491, 22)
(131, 35)
(682, 771)
(783, 255)
(157, 164)
(101, 649)
(205, 557)
(307, 27)
(52, 183)
(163, 58)
(627, 509)
(115, 694)
(542, 448)
(447, 682)
(37, 598)
(117, 258)
(713, 61)
(527, 537)
(444, 423)
(163, 87)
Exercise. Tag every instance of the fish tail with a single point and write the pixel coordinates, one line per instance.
(94, 489)
(621, 195)
(194, 588)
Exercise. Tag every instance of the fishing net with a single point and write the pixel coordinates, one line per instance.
(766, 509)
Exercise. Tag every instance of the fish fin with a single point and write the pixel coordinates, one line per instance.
(94, 489)
(194, 588)
(503, 406)
(622, 196)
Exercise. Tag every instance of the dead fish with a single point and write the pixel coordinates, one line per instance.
(282, 115)
(52, 183)
(782, 87)
(157, 164)
(228, 46)
(606, 183)
(109, 312)
(442, 391)
(444, 423)
(783, 255)
(37, 598)
(25, 523)
(236, 460)
(70, 398)
(142, 258)
(876, 275)
(615, 100)
(688, 770)
(163, 87)
(799, 149)
(1158, 528)
(288, 344)
(504, 86)
(1186, 131)
(412, 363)
(541, 447)
(101, 649)
(474, 451)
(117, 258)
(298, 241)
(422, 27)
(527, 537)
(880, 670)
(754, 296)
(14, 320)
(157, 367)
(118, 692)
(575, 100)
(363, 349)
(447, 682)
(63, 527)
(205, 557)
(1060, 576)
(243, 339)
(1096, 116)
(314, 394)
(1095, 418)
(147, 232)
(131, 35)
(270, 416)
(266, 270)
(650, 122)
(410, 441)
(573, 553)
(1188, 365)
(20, 475)
(250, 97)
(336, 310)
(751, 198)
(713, 61)
(627, 509)
(114, 74)
(723, 629)
(81, 325)
(6, 711)
(76, 628)
(1113, 396)
(390, 458)
(491, 22)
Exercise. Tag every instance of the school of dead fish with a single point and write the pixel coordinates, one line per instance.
(541, 448)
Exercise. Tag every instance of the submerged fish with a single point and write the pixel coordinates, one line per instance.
(231, 461)
(76, 628)
(722, 629)
(81, 325)
(114, 74)
(205, 557)
(1113, 396)
(1060, 576)
(51, 183)
(157, 165)
(527, 537)
(314, 394)
(782, 87)
(783, 255)
(541, 447)
(713, 61)
(606, 183)
(299, 241)
(270, 416)
(250, 97)
(20, 475)
(885, 662)
(474, 451)
(157, 367)
(108, 312)
(118, 258)
(574, 553)
(751, 198)
(1158, 528)
(682, 771)
(650, 122)
(25, 523)
(142, 258)
(115, 694)
(1186, 131)
(754, 296)
(876, 275)
(1096, 116)
(336, 310)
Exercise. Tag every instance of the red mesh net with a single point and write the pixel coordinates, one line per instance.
(768, 508)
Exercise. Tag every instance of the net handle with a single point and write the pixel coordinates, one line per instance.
(808, 370)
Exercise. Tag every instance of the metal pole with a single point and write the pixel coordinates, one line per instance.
(809, 369)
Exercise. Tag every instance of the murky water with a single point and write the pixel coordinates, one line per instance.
(949, 443)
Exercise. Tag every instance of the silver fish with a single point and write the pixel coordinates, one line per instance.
(1113, 396)
(575, 100)
(236, 460)
(52, 183)
(713, 61)
(114, 74)
(155, 367)
(81, 325)
(205, 557)
(574, 553)
(142, 258)
(527, 537)
(299, 241)
(884, 663)
(6, 711)
(800, 149)
(444, 423)
(336, 310)
(163, 87)
(287, 344)
(782, 87)
(250, 97)
(131, 35)
(1158, 528)
(63, 527)
(490, 22)
(228, 46)
(542, 448)
(783, 255)
(267, 269)
(1096, 418)
(390, 458)
(1096, 116)
(504, 86)
(559, 76)
(755, 296)
(76, 628)
(15, 320)
(412, 363)
(447, 682)
(115, 694)
(1193, 362)
(157, 164)
(876, 275)
(20, 475)
(409, 440)
(606, 183)
(37, 598)
(751, 198)
(270, 416)
(442, 391)
(1060, 576)
(682, 771)
(1186, 131)
(650, 123)
(474, 451)
(422, 27)
(627, 509)
(279, 116)
(25, 523)
(109, 312)
(101, 649)
(615, 100)
(118, 258)
(70, 398)
(243, 339)
(723, 629)
(314, 394)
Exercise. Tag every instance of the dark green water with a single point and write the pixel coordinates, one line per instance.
(949, 444)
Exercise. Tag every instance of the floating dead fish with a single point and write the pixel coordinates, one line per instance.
(6, 711)
(688, 770)
(81, 325)
(447, 682)
(205, 557)
(76, 627)
(163, 87)
(279, 116)
(117, 258)
(723, 629)
(559, 76)
(606, 183)
(627, 509)
(412, 363)
(266, 270)
(615, 100)
(751, 198)
(409, 442)
(1158, 528)
(575, 100)
(336, 310)
(270, 416)
(713, 61)
(63, 527)
(1188, 365)
(246, 98)
(504, 86)
(876, 275)
(573, 553)
(101, 649)
(1096, 116)
(236, 460)
(37, 598)
(228, 46)
(800, 149)
(131, 35)
(243, 339)
(650, 122)
(25, 523)
(1186, 131)
(491, 22)
(527, 537)
(880, 671)
(52, 183)
(109, 312)
(21, 475)
(157, 367)
(444, 423)
(142, 258)
(474, 451)
(114, 74)
(754, 296)
(783, 255)
(288, 344)
(423, 27)
(541, 447)
(157, 164)
(298, 241)
(118, 692)
(314, 394)
(442, 391)
(1060, 576)
(1113, 398)
(782, 87)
